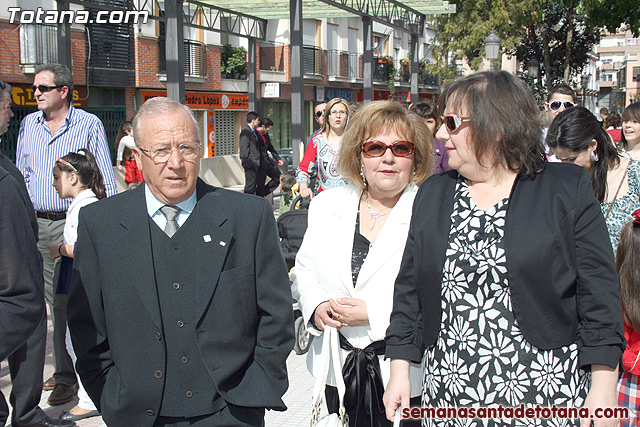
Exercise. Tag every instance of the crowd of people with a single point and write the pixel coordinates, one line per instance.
(460, 255)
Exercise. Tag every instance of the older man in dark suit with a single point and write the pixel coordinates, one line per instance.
(180, 306)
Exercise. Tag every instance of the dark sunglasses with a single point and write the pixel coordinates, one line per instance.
(378, 148)
(319, 113)
(453, 122)
(555, 105)
(44, 88)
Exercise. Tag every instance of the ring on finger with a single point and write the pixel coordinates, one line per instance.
(344, 324)
(338, 316)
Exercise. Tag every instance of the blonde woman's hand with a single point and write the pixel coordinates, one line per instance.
(350, 311)
(325, 316)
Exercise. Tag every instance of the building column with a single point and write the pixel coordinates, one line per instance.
(174, 48)
(252, 68)
(367, 60)
(297, 83)
(414, 68)
(64, 38)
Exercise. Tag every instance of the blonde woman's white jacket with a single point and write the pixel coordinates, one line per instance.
(323, 270)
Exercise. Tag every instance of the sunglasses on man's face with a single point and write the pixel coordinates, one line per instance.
(44, 88)
(555, 105)
(453, 122)
(319, 113)
(378, 148)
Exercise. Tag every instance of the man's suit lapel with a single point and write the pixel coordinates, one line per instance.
(211, 243)
(136, 243)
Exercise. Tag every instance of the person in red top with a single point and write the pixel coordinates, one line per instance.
(614, 127)
(628, 266)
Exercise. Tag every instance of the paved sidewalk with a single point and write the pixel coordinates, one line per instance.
(297, 398)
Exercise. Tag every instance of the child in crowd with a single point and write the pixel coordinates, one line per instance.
(289, 188)
(75, 175)
(124, 143)
(628, 267)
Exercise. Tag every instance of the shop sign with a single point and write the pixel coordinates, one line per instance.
(324, 94)
(271, 90)
(22, 96)
(205, 100)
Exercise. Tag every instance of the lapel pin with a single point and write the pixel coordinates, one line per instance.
(206, 238)
(223, 243)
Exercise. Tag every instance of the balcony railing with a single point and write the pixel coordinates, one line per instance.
(312, 60)
(381, 70)
(195, 54)
(38, 44)
(342, 64)
(272, 56)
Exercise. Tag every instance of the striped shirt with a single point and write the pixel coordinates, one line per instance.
(38, 151)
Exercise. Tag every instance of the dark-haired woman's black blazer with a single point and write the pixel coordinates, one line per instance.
(561, 272)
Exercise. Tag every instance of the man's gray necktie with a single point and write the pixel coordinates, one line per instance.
(170, 212)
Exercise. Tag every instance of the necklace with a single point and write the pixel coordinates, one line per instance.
(375, 215)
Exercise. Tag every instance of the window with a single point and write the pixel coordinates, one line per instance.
(38, 44)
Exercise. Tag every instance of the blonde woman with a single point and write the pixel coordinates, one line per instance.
(345, 269)
(322, 151)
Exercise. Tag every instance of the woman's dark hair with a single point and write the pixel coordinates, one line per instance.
(426, 110)
(84, 164)
(505, 120)
(613, 119)
(631, 113)
(573, 130)
(628, 267)
(122, 131)
(287, 181)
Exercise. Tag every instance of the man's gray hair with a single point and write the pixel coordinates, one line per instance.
(61, 76)
(5, 88)
(159, 106)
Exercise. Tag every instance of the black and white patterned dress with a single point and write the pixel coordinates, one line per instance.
(481, 358)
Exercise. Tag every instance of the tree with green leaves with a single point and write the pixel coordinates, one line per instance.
(559, 34)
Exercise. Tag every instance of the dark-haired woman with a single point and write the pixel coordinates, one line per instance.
(614, 127)
(628, 266)
(576, 137)
(515, 301)
(631, 130)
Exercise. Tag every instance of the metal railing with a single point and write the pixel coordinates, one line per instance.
(195, 54)
(343, 64)
(272, 56)
(38, 44)
(312, 60)
(381, 70)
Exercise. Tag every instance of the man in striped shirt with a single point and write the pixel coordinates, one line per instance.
(46, 135)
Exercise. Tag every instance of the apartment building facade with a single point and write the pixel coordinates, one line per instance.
(116, 67)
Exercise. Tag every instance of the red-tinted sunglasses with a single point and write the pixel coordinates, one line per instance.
(378, 148)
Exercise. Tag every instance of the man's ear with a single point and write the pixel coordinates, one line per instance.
(137, 154)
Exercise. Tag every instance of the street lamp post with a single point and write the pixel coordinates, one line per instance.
(584, 81)
(533, 68)
(492, 48)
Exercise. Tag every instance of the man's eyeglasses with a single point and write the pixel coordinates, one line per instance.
(162, 153)
(453, 122)
(44, 88)
(378, 148)
(338, 113)
(319, 113)
(555, 105)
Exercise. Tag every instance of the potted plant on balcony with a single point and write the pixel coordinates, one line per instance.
(237, 64)
(225, 54)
